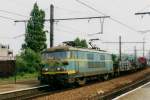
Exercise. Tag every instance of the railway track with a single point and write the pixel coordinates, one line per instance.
(108, 96)
(35, 92)
(42, 91)
(22, 93)
(121, 90)
(30, 93)
(51, 92)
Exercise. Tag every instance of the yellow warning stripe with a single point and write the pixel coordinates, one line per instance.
(62, 72)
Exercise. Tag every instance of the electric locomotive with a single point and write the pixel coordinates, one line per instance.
(65, 64)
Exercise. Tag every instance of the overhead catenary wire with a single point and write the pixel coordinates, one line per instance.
(126, 42)
(5, 38)
(144, 31)
(15, 37)
(4, 17)
(70, 31)
(18, 36)
(79, 18)
(75, 31)
(12, 13)
(94, 9)
(52, 20)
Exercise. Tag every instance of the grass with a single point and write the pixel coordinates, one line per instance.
(19, 77)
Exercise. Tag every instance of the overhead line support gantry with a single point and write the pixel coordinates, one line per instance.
(52, 20)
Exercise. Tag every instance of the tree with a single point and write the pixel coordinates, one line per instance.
(77, 42)
(35, 37)
(80, 43)
(28, 62)
(84, 43)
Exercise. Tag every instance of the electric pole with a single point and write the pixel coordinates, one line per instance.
(120, 48)
(143, 47)
(135, 53)
(149, 55)
(51, 25)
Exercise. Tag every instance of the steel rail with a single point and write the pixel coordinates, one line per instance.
(107, 96)
(121, 90)
(35, 92)
(21, 93)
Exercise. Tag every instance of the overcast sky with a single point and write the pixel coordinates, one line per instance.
(120, 10)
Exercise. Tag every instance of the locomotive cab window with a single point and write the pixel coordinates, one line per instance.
(108, 57)
(57, 55)
(102, 57)
(90, 56)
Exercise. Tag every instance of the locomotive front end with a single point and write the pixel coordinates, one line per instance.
(56, 69)
(52, 74)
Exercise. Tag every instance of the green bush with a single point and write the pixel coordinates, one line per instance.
(80, 43)
(28, 62)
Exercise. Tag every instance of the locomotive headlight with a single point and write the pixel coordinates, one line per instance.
(58, 69)
(45, 69)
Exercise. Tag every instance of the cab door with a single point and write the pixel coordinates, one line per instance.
(74, 61)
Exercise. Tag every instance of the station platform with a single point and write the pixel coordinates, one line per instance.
(18, 86)
(140, 93)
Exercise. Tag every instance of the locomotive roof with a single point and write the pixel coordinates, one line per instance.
(67, 48)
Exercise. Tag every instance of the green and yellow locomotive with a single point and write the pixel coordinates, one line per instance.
(64, 64)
